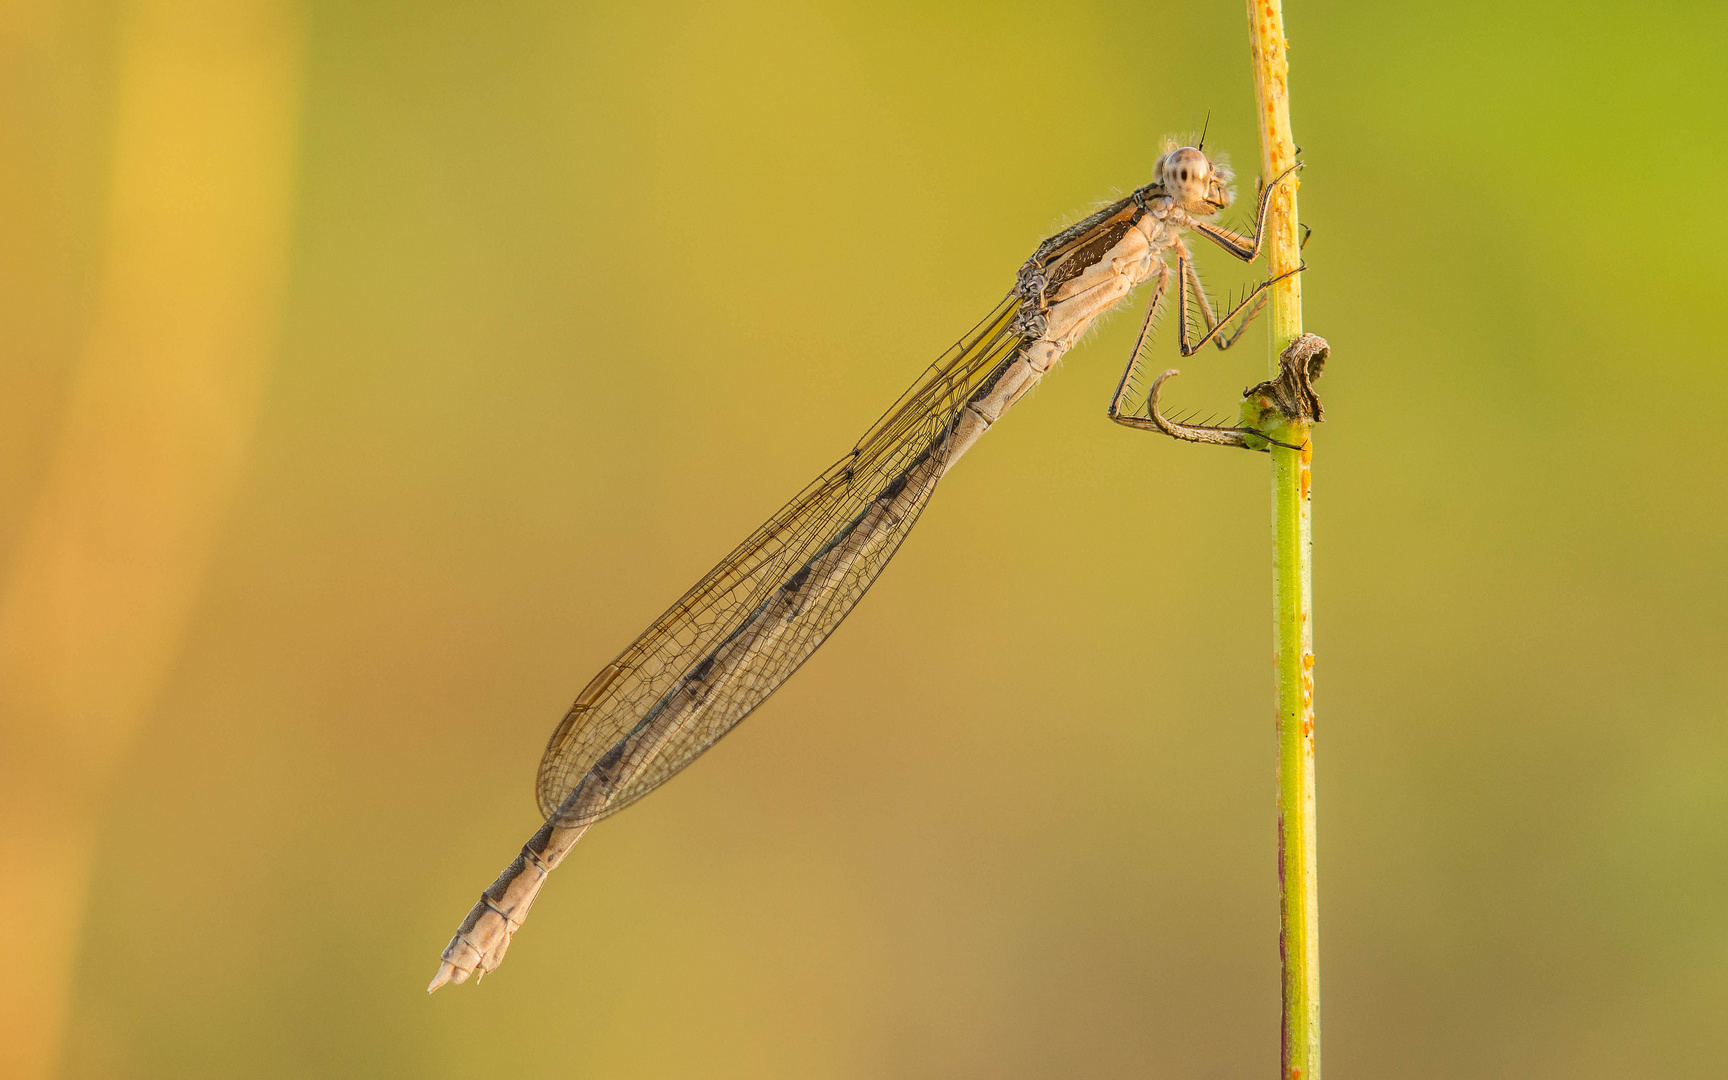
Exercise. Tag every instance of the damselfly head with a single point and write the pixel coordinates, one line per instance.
(1197, 183)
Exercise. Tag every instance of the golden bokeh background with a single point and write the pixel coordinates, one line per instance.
(371, 372)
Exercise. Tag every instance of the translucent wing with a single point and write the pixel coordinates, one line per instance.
(744, 628)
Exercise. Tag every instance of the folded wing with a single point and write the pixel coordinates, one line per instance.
(730, 641)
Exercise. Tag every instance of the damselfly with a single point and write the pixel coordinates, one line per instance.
(739, 633)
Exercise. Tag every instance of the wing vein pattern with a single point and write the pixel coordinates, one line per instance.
(728, 643)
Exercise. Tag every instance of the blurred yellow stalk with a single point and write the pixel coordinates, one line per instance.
(95, 603)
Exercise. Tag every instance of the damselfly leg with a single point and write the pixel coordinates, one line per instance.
(1192, 299)
(1246, 248)
(1190, 280)
(1125, 385)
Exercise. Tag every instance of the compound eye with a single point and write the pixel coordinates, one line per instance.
(1188, 166)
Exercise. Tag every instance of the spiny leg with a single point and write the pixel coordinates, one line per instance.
(1191, 280)
(1216, 434)
(1253, 295)
(1246, 248)
(1115, 411)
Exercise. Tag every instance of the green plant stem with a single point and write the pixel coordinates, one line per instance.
(1293, 624)
(1299, 931)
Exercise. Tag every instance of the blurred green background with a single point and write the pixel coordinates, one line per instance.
(571, 296)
